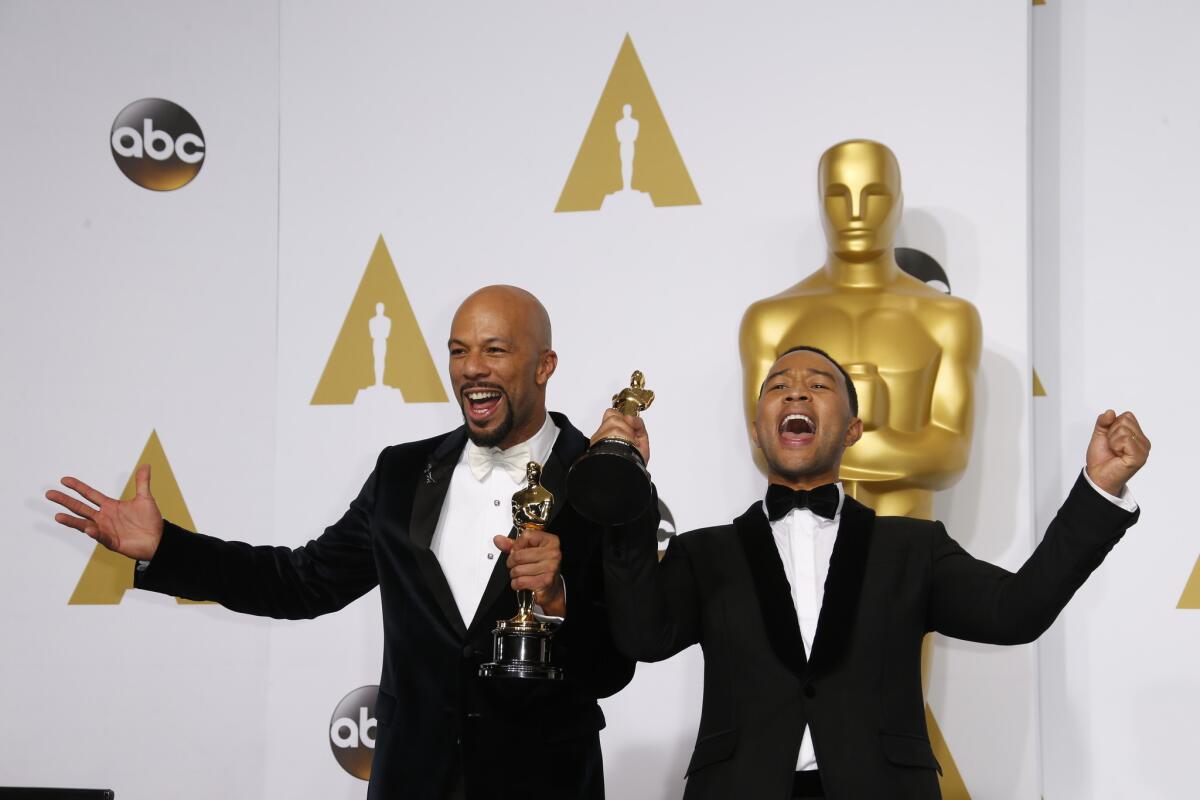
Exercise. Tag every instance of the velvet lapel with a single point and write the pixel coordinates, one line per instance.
(771, 586)
(843, 585)
(569, 445)
(432, 486)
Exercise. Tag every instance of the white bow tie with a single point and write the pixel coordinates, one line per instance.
(513, 460)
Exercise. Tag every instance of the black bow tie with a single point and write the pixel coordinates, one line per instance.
(822, 501)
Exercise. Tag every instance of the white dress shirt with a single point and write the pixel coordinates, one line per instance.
(478, 508)
(805, 543)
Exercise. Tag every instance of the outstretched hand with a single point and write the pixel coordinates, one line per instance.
(1118, 449)
(132, 528)
(535, 563)
(615, 425)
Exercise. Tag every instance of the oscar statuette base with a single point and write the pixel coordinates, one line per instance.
(609, 483)
(521, 649)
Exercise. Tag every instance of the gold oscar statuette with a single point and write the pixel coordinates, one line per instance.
(521, 645)
(609, 483)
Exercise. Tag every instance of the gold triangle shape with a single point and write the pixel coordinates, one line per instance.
(1191, 592)
(380, 314)
(658, 169)
(951, 780)
(108, 574)
(1038, 389)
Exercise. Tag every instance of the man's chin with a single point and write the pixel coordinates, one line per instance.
(797, 473)
(492, 435)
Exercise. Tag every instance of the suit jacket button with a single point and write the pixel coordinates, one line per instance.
(810, 690)
(468, 651)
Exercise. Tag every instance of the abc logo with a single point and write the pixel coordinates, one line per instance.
(352, 731)
(157, 144)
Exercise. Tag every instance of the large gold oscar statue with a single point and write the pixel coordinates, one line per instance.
(911, 351)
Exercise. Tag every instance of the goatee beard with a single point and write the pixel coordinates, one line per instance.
(492, 437)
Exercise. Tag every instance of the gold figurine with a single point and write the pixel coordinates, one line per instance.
(521, 645)
(609, 483)
(911, 351)
(530, 510)
(635, 397)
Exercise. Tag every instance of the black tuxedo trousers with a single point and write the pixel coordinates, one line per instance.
(437, 719)
(891, 580)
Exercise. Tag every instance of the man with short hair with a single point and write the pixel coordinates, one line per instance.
(423, 529)
(811, 609)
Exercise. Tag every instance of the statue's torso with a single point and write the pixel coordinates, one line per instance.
(898, 331)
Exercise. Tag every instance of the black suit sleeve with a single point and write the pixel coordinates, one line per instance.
(594, 659)
(654, 606)
(322, 576)
(973, 600)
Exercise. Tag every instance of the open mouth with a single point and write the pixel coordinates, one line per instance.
(480, 403)
(797, 429)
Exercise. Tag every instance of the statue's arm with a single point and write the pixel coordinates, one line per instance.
(758, 340)
(934, 456)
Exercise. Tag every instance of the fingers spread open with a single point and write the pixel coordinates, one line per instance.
(78, 524)
(71, 504)
(86, 491)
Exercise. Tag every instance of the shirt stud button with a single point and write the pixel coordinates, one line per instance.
(491, 556)
(495, 502)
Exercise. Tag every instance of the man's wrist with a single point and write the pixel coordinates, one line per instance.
(1123, 498)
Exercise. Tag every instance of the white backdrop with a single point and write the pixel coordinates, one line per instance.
(1116, 278)
(209, 314)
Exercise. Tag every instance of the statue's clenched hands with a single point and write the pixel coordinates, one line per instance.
(132, 528)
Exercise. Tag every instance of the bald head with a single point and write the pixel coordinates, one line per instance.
(525, 310)
(500, 362)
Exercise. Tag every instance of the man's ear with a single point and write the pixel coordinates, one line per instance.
(854, 431)
(547, 363)
(754, 434)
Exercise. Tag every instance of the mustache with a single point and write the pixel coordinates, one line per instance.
(472, 386)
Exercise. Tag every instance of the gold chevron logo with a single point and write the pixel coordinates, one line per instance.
(108, 575)
(1191, 591)
(628, 157)
(380, 355)
(1038, 389)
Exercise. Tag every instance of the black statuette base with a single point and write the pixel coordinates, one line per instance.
(609, 483)
(521, 650)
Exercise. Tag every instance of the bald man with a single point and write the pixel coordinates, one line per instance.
(431, 528)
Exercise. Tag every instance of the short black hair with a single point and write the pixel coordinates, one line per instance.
(850, 390)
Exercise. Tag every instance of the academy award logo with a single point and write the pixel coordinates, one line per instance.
(380, 356)
(108, 574)
(1191, 591)
(628, 159)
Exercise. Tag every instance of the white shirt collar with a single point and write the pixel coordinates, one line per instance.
(538, 447)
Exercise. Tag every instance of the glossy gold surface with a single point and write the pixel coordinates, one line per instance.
(911, 351)
(531, 507)
(634, 398)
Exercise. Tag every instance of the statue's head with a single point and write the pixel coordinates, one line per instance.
(861, 201)
(379, 308)
(626, 110)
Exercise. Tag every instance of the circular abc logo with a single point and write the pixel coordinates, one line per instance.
(352, 731)
(157, 144)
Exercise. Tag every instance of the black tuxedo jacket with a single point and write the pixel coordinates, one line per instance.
(890, 580)
(437, 719)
